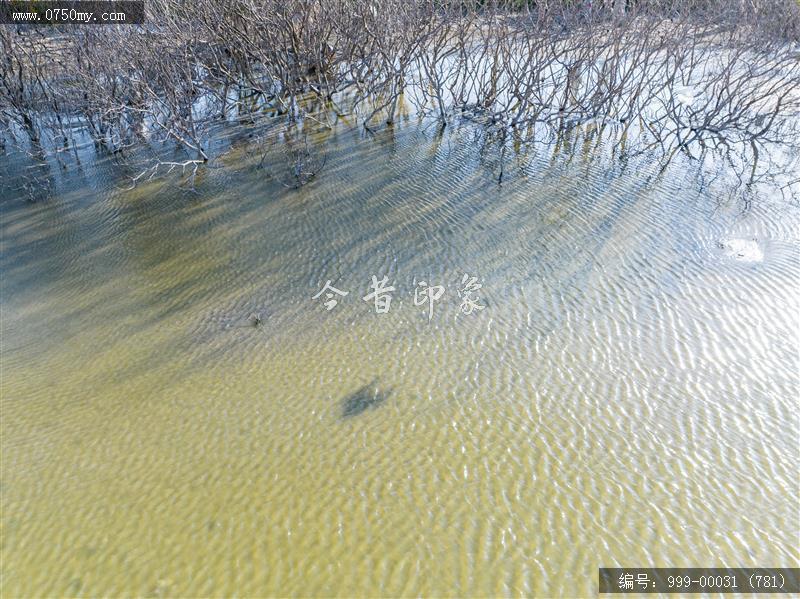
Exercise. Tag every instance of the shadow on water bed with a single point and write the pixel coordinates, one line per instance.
(366, 398)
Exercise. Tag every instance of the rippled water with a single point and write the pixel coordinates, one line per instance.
(628, 396)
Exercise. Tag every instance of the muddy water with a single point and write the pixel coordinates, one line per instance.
(181, 418)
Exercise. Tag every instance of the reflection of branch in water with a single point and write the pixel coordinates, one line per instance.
(301, 162)
(305, 165)
(36, 180)
(790, 186)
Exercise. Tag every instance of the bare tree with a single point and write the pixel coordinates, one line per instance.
(666, 76)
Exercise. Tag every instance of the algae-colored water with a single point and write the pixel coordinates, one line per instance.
(181, 418)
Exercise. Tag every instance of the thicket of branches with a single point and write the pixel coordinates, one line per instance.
(676, 75)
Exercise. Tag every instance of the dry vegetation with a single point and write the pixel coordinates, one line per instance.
(675, 75)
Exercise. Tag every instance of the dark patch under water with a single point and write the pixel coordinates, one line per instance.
(365, 398)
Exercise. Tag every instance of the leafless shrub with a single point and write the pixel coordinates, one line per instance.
(666, 76)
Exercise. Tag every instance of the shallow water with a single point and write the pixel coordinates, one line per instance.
(180, 417)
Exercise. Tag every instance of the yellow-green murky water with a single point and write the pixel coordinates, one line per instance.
(627, 397)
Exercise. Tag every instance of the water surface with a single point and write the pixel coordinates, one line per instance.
(180, 417)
